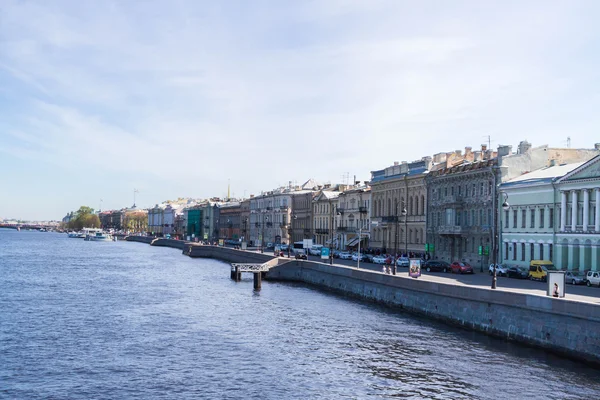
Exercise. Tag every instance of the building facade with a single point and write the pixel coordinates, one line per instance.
(301, 217)
(269, 217)
(324, 216)
(528, 227)
(398, 207)
(578, 233)
(230, 221)
(354, 216)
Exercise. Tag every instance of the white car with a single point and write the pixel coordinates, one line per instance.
(379, 260)
(346, 256)
(314, 251)
(501, 270)
(593, 278)
(403, 262)
(355, 257)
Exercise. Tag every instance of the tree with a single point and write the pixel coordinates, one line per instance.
(84, 218)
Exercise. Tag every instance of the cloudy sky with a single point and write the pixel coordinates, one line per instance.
(176, 97)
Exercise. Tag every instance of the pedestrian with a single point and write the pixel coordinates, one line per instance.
(555, 291)
(384, 269)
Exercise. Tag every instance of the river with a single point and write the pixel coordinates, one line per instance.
(120, 320)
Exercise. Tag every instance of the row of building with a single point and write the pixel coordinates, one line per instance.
(448, 206)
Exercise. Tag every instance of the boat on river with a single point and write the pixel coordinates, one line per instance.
(99, 236)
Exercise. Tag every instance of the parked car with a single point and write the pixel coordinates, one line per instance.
(575, 277)
(336, 254)
(516, 272)
(346, 256)
(301, 256)
(459, 267)
(436, 266)
(403, 262)
(593, 278)
(379, 260)
(500, 269)
(284, 247)
(369, 258)
(356, 256)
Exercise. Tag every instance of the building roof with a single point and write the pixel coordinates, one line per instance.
(543, 175)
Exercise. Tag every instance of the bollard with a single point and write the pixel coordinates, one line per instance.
(257, 280)
(238, 274)
(232, 274)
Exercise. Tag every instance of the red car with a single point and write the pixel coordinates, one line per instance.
(461, 268)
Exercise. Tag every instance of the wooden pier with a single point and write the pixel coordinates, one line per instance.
(256, 269)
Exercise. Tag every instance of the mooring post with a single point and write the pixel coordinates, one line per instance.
(238, 274)
(257, 280)
(232, 273)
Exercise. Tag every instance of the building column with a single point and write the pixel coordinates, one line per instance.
(597, 221)
(586, 209)
(574, 211)
(563, 211)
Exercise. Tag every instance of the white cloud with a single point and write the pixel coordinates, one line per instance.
(285, 91)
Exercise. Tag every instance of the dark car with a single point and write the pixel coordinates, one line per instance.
(461, 268)
(436, 266)
(301, 256)
(516, 272)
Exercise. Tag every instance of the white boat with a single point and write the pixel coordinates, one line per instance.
(73, 234)
(99, 237)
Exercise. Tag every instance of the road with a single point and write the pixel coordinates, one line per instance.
(484, 280)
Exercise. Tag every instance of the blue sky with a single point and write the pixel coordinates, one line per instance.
(176, 97)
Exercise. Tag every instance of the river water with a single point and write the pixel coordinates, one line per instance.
(88, 320)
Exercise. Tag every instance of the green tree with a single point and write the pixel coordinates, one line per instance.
(84, 218)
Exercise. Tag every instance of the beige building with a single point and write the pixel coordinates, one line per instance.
(354, 216)
(324, 216)
(396, 188)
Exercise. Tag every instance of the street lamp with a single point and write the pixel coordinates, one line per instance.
(290, 231)
(262, 241)
(333, 208)
(404, 214)
(505, 207)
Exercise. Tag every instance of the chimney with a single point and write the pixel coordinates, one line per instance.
(428, 163)
(476, 155)
(458, 153)
(468, 150)
(597, 146)
(396, 163)
(524, 147)
(504, 150)
(483, 148)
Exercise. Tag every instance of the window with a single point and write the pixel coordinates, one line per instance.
(515, 219)
(473, 217)
(506, 251)
(542, 215)
(506, 219)
(452, 190)
(457, 219)
(551, 223)
(541, 251)
(445, 192)
(532, 218)
(523, 217)
(467, 190)
(514, 249)
(522, 251)
(481, 221)
(531, 252)
(459, 190)
(550, 252)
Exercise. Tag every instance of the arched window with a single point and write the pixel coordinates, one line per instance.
(422, 204)
(389, 207)
(410, 206)
(417, 205)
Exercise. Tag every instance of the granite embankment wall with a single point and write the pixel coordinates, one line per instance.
(141, 239)
(563, 326)
(230, 255)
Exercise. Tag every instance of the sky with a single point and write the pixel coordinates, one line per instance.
(177, 98)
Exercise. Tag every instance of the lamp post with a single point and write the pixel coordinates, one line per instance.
(262, 239)
(245, 222)
(505, 207)
(333, 209)
(394, 258)
(290, 231)
(405, 215)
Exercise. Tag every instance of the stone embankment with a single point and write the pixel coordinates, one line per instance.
(562, 326)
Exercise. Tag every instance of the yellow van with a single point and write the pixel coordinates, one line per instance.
(538, 269)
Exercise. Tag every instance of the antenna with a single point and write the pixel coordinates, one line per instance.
(569, 142)
(228, 188)
(100, 209)
(489, 140)
(134, 193)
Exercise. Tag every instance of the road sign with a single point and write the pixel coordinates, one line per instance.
(307, 243)
(325, 253)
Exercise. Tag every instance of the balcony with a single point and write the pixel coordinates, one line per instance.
(346, 229)
(363, 210)
(341, 210)
(322, 231)
(269, 208)
(389, 218)
(453, 230)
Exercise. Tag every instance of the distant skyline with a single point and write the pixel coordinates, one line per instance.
(175, 98)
